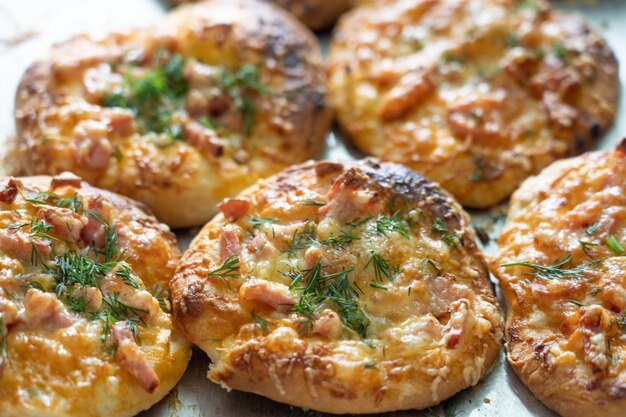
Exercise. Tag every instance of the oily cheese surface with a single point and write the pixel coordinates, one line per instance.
(566, 325)
(180, 115)
(476, 94)
(343, 288)
(84, 300)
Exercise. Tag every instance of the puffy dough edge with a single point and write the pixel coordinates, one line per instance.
(488, 193)
(180, 348)
(188, 205)
(552, 386)
(258, 364)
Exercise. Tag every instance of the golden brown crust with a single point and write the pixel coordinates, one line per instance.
(316, 14)
(341, 287)
(251, 102)
(477, 95)
(82, 271)
(565, 332)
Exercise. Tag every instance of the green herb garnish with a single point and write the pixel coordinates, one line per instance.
(261, 321)
(556, 270)
(256, 221)
(383, 269)
(344, 238)
(393, 223)
(229, 269)
(238, 85)
(614, 245)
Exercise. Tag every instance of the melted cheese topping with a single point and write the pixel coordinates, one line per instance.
(193, 110)
(571, 324)
(328, 268)
(477, 94)
(80, 332)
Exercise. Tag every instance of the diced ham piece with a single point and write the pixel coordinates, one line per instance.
(234, 208)
(556, 78)
(120, 120)
(92, 295)
(411, 90)
(8, 193)
(203, 139)
(65, 179)
(520, 63)
(41, 308)
(228, 243)
(67, 224)
(594, 337)
(275, 295)
(93, 232)
(444, 290)
(90, 147)
(17, 244)
(261, 247)
(461, 321)
(479, 118)
(349, 197)
(132, 359)
(207, 102)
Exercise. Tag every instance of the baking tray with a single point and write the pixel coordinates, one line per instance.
(29, 27)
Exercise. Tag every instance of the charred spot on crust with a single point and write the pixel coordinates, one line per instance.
(409, 184)
(595, 130)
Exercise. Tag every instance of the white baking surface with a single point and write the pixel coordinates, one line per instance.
(29, 27)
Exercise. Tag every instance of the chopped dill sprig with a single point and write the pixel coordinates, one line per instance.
(382, 268)
(334, 288)
(594, 291)
(260, 321)
(585, 247)
(302, 239)
(556, 270)
(312, 202)
(123, 271)
(121, 311)
(592, 228)
(614, 245)
(393, 223)
(343, 239)
(110, 238)
(440, 227)
(238, 85)
(432, 263)
(229, 269)
(359, 221)
(74, 202)
(256, 221)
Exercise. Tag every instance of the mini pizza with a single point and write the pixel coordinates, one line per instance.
(85, 328)
(561, 266)
(475, 94)
(343, 288)
(181, 115)
(316, 14)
